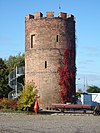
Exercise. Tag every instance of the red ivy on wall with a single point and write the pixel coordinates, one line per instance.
(67, 76)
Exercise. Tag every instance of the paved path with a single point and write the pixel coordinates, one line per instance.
(23, 123)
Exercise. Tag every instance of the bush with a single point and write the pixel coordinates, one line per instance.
(4, 103)
(8, 104)
(13, 104)
(27, 97)
(0, 103)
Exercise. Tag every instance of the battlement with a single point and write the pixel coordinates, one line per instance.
(38, 15)
(49, 14)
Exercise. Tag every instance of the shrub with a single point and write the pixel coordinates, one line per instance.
(4, 103)
(27, 97)
(0, 103)
(13, 104)
(8, 104)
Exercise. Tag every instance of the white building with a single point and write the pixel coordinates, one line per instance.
(90, 99)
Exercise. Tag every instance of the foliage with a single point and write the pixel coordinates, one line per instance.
(27, 96)
(8, 104)
(13, 61)
(78, 93)
(0, 103)
(13, 104)
(6, 66)
(4, 88)
(67, 77)
(93, 89)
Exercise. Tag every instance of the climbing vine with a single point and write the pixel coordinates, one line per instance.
(67, 76)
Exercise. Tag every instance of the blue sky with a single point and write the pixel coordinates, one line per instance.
(86, 12)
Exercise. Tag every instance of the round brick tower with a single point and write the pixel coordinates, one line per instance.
(46, 40)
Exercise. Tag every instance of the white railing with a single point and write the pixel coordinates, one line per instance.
(13, 83)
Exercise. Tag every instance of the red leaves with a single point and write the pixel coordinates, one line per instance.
(8, 104)
(67, 74)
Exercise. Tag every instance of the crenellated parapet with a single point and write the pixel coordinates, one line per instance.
(39, 15)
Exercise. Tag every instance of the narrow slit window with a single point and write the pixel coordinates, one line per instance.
(32, 40)
(57, 38)
(45, 64)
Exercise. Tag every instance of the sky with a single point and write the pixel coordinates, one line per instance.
(87, 17)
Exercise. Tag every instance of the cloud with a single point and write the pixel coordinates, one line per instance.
(93, 50)
(85, 61)
(88, 59)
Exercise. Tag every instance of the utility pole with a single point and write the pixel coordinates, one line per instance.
(85, 85)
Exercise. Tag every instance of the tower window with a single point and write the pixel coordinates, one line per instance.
(32, 40)
(57, 38)
(45, 64)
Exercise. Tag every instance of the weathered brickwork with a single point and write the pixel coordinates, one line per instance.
(46, 39)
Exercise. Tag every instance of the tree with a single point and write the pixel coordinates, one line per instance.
(93, 89)
(7, 66)
(78, 93)
(4, 88)
(27, 96)
(13, 61)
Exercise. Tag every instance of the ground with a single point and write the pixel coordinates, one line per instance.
(47, 123)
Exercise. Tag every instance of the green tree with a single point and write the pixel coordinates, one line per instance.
(93, 89)
(13, 61)
(27, 96)
(78, 93)
(4, 88)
